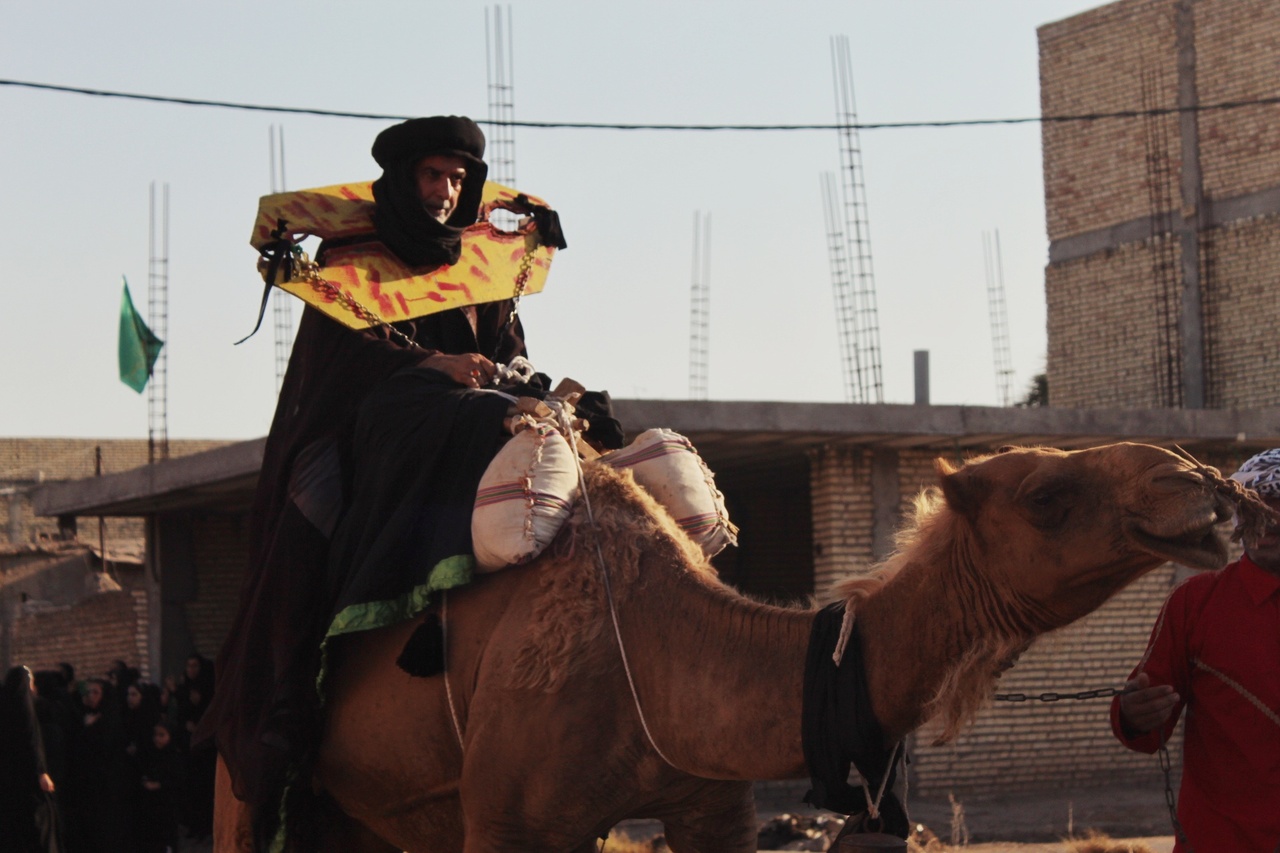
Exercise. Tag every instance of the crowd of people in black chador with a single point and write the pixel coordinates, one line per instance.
(103, 765)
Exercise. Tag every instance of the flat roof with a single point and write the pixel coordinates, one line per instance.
(734, 437)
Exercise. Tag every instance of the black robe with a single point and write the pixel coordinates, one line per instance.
(29, 821)
(265, 715)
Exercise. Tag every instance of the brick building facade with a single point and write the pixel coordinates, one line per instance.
(60, 600)
(1161, 286)
(26, 463)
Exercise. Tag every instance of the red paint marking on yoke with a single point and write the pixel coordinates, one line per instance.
(404, 304)
(445, 285)
(324, 204)
(480, 274)
(348, 194)
(481, 253)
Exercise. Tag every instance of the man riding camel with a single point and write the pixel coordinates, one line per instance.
(369, 473)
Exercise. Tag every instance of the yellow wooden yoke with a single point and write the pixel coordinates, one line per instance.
(375, 286)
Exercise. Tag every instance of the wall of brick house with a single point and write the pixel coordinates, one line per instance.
(220, 547)
(840, 491)
(774, 556)
(89, 635)
(27, 462)
(1104, 347)
(1102, 310)
(1236, 45)
(1242, 312)
(1095, 173)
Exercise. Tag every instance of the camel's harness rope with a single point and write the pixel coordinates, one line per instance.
(444, 653)
(566, 427)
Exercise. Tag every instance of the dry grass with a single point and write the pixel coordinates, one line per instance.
(1097, 842)
(620, 842)
(924, 841)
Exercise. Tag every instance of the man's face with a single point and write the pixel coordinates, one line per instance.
(440, 179)
(1265, 549)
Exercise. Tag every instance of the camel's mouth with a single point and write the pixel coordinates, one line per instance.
(1199, 547)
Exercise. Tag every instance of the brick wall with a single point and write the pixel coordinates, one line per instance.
(27, 462)
(1095, 173)
(220, 549)
(774, 556)
(1102, 323)
(840, 489)
(1236, 46)
(1242, 312)
(1104, 310)
(89, 635)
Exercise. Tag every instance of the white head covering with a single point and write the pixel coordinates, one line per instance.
(1261, 473)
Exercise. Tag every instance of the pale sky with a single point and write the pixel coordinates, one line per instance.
(615, 313)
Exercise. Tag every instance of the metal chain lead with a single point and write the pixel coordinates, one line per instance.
(1100, 693)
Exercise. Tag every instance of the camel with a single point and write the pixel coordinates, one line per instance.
(532, 741)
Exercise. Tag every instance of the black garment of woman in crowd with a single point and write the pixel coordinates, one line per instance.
(28, 811)
(161, 791)
(195, 692)
(140, 715)
(59, 721)
(96, 815)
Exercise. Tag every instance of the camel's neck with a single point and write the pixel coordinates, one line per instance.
(916, 629)
(720, 682)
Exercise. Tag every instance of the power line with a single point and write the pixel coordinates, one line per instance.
(584, 125)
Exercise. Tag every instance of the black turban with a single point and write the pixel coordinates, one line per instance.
(403, 225)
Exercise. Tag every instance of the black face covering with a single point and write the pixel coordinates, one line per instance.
(405, 227)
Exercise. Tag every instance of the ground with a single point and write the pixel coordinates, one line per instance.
(1026, 823)
(1035, 822)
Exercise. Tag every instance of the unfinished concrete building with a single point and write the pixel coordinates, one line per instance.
(1164, 227)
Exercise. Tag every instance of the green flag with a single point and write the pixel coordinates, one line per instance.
(139, 348)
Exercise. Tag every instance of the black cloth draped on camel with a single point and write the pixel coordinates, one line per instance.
(265, 713)
(839, 729)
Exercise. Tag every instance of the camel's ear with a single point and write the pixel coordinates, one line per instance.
(964, 489)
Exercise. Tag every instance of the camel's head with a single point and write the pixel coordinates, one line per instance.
(1057, 532)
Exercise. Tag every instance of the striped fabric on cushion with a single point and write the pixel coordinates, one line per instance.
(666, 464)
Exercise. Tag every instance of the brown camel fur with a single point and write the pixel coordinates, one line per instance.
(552, 750)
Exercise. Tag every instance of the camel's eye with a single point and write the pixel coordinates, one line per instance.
(1049, 504)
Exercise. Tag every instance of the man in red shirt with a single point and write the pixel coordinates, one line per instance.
(1215, 650)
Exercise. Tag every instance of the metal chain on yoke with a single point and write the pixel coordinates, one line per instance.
(522, 281)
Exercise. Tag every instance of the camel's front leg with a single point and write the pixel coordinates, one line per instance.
(719, 819)
(232, 824)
